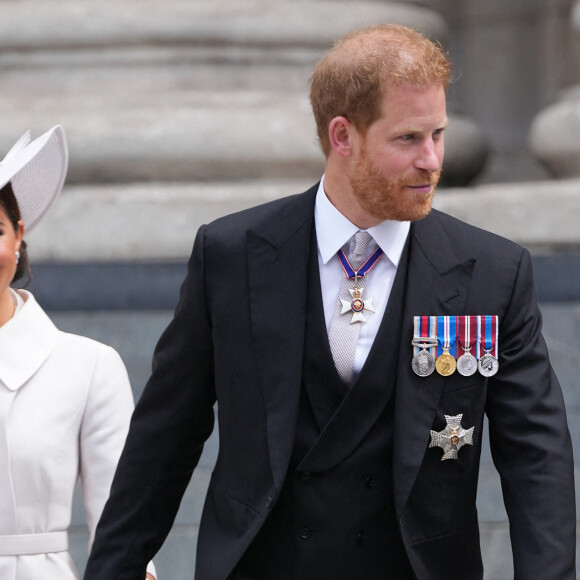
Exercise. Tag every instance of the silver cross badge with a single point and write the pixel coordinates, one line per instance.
(452, 438)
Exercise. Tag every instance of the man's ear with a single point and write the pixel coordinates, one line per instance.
(340, 133)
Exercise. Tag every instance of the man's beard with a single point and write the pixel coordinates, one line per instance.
(385, 198)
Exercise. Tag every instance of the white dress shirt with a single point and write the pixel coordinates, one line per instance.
(333, 230)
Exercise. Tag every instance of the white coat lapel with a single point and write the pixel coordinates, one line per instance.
(26, 341)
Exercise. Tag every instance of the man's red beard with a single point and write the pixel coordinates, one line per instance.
(385, 198)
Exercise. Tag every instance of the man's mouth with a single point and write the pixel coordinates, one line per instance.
(422, 187)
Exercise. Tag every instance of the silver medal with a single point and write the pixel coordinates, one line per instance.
(423, 363)
(488, 365)
(466, 364)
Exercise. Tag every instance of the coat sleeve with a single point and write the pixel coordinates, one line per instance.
(530, 441)
(103, 432)
(171, 422)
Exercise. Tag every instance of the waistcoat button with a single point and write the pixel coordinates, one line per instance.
(305, 533)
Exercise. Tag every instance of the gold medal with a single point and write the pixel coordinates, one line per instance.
(445, 363)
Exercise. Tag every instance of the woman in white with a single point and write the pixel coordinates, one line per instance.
(65, 400)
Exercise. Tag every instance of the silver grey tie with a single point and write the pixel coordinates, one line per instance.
(342, 335)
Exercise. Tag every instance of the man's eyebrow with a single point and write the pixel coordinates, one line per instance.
(411, 129)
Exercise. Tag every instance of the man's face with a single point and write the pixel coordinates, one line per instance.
(396, 166)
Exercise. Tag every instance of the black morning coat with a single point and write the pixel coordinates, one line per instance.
(237, 338)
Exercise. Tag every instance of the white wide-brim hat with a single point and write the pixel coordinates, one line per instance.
(36, 170)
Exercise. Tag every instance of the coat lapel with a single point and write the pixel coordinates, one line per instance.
(439, 275)
(362, 406)
(278, 257)
(26, 342)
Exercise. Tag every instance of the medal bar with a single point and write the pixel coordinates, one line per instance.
(467, 344)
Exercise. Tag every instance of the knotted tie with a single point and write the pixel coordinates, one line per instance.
(342, 335)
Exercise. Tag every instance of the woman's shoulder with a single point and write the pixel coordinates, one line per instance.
(66, 339)
(88, 348)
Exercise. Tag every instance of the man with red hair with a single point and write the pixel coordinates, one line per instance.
(314, 322)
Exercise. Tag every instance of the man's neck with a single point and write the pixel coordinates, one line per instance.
(339, 192)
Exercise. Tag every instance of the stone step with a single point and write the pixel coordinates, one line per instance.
(187, 90)
(199, 135)
(182, 89)
(70, 24)
(177, 136)
(158, 221)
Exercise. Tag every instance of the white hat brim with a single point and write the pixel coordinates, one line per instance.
(36, 170)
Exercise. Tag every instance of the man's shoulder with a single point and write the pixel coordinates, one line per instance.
(466, 235)
(267, 215)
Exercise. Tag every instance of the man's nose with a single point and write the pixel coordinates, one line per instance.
(430, 156)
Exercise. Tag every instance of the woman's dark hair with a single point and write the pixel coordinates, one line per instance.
(10, 205)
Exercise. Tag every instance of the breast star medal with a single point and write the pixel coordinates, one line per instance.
(452, 438)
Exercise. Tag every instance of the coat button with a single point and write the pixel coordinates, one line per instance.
(306, 476)
(370, 481)
(360, 537)
(305, 533)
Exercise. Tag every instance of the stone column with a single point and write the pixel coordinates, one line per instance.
(554, 133)
(511, 62)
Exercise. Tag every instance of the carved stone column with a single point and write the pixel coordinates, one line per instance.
(511, 61)
(186, 89)
(554, 133)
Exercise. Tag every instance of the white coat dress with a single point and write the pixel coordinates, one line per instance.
(65, 405)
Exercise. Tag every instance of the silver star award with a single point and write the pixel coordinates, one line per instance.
(452, 438)
(357, 305)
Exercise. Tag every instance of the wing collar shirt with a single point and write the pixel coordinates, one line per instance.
(333, 231)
